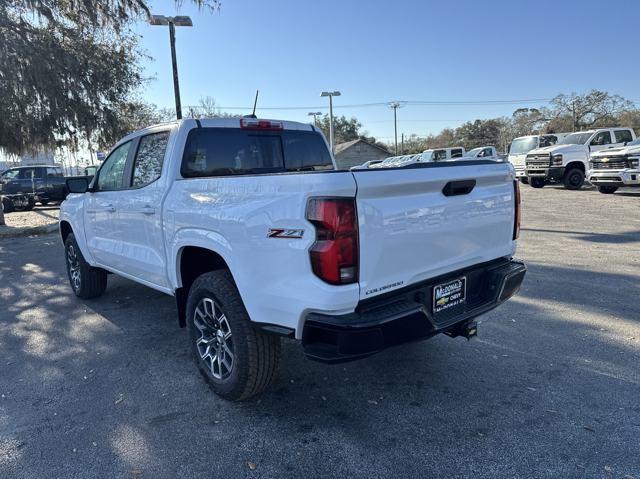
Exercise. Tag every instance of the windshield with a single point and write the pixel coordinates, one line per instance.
(473, 152)
(10, 174)
(523, 145)
(576, 139)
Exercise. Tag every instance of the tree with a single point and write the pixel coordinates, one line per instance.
(344, 129)
(591, 110)
(67, 69)
(480, 133)
(207, 108)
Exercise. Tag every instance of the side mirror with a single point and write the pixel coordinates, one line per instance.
(77, 185)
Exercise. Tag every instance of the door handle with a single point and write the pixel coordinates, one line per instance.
(148, 210)
(460, 187)
(110, 208)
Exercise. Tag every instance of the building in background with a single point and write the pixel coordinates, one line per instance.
(357, 152)
(41, 157)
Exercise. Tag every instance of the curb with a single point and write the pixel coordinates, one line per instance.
(9, 232)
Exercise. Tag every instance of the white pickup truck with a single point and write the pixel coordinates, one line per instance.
(257, 235)
(615, 168)
(481, 153)
(568, 160)
(522, 145)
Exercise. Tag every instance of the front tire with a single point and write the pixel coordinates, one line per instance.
(524, 180)
(536, 182)
(7, 204)
(573, 179)
(607, 190)
(236, 360)
(86, 281)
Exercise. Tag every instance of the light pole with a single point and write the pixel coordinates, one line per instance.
(180, 21)
(395, 105)
(315, 114)
(330, 94)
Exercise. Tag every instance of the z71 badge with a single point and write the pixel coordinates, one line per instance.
(285, 233)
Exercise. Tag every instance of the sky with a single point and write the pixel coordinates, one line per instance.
(381, 51)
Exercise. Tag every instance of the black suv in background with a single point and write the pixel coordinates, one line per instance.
(46, 182)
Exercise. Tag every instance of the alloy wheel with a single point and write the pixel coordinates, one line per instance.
(74, 267)
(215, 344)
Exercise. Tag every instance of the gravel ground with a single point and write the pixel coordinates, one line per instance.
(39, 216)
(551, 387)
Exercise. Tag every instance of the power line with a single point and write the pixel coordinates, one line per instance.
(385, 104)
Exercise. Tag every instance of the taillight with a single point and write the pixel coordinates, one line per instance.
(516, 224)
(334, 255)
(255, 124)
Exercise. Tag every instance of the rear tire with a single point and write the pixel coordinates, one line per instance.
(573, 179)
(235, 359)
(86, 281)
(536, 182)
(607, 190)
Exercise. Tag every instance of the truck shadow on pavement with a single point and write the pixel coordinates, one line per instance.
(613, 238)
(106, 388)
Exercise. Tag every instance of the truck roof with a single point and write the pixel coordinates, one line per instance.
(214, 123)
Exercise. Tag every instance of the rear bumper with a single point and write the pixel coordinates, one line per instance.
(628, 177)
(406, 315)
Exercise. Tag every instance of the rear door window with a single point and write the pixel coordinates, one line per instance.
(54, 172)
(623, 136)
(456, 153)
(147, 165)
(233, 151)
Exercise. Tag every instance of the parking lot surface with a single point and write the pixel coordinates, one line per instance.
(551, 388)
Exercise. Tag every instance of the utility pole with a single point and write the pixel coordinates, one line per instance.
(402, 147)
(331, 94)
(315, 114)
(395, 105)
(181, 21)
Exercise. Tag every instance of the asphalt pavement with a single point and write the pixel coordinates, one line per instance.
(551, 387)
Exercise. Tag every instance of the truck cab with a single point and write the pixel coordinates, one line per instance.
(616, 167)
(567, 162)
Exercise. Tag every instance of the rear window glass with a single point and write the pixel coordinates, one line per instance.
(232, 151)
(623, 136)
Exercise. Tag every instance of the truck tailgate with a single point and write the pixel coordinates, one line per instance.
(411, 231)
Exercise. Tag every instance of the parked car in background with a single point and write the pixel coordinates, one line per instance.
(249, 225)
(521, 146)
(568, 161)
(613, 168)
(45, 182)
(481, 153)
(427, 156)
